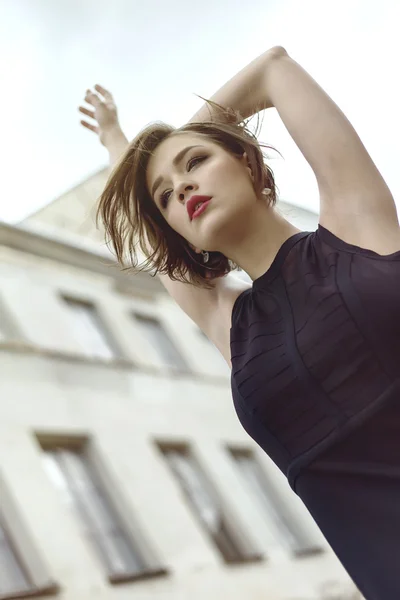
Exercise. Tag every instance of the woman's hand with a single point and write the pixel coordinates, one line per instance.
(104, 114)
(106, 125)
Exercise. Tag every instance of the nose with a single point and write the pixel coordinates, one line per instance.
(182, 191)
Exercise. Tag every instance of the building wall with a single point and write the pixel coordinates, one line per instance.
(124, 407)
(74, 211)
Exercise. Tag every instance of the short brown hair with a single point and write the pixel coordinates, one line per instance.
(132, 220)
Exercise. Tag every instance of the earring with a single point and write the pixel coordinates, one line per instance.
(266, 191)
(205, 255)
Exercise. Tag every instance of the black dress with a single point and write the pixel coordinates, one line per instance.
(315, 348)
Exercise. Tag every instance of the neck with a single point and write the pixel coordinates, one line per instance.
(259, 239)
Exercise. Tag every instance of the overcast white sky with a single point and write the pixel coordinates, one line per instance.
(155, 55)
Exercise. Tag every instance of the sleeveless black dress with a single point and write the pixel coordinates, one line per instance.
(315, 349)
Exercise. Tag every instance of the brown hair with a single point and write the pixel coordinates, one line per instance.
(132, 219)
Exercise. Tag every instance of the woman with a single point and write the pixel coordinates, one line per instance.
(314, 342)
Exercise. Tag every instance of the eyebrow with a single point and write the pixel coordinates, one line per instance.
(175, 162)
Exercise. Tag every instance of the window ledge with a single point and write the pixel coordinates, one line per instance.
(308, 552)
(245, 560)
(49, 590)
(23, 347)
(130, 577)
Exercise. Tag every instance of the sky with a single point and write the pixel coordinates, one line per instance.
(156, 55)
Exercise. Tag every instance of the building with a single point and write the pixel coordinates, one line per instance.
(124, 472)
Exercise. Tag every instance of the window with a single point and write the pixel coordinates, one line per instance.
(8, 327)
(22, 572)
(289, 530)
(161, 342)
(78, 479)
(13, 579)
(89, 330)
(207, 506)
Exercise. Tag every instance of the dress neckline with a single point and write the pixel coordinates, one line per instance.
(273, 270)
(280, 256)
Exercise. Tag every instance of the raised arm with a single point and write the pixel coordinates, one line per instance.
(355, 202)
(246, 92)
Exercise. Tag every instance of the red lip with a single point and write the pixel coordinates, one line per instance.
(191, 203)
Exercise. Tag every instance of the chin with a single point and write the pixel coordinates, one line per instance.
(216, 233)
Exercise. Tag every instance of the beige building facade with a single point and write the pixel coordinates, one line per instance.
(124, 472)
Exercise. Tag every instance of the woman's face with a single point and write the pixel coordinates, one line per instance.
(203, 169)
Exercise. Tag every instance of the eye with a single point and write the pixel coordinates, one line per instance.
(192, 160)
(165, 196)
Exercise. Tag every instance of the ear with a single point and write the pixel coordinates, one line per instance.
(246, 163)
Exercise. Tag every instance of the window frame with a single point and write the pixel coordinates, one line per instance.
(102, 326)
(245, 548)
(304, 545)
(120, 508)
(140, 318)
(24, 549)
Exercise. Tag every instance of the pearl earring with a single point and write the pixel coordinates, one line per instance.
(205, 255)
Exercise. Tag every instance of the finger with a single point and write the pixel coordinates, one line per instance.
(92, 99)
(107, 95)
(90, 126)
(85, 111)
